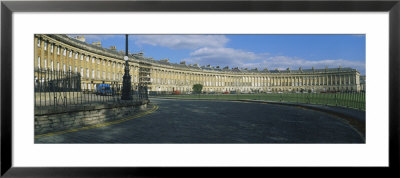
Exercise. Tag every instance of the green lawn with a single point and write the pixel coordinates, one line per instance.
(350, 100)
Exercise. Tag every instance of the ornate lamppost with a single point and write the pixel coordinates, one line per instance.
(126, 82)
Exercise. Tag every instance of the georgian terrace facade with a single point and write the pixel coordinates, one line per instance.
(98, 65)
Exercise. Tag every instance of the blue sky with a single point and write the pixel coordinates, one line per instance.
(247, 51)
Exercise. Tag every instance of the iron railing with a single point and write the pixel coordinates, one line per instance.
(55, 89)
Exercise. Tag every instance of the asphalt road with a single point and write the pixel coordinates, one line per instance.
(191, 121)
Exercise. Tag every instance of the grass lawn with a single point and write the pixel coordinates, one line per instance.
(350, 100)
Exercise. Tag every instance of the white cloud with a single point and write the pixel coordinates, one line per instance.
(283, 62)
(182, 41)
(244, 59)
(222, 56)
(210, 49)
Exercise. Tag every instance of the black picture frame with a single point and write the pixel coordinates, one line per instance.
(8, 7)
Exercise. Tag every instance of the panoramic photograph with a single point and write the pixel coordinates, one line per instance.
(200, 88)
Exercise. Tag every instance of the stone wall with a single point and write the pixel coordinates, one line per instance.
(51, 121)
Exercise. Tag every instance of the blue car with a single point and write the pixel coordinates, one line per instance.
(104, 89)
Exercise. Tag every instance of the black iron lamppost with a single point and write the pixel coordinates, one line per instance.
(126, 82)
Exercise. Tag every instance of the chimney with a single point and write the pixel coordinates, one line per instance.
(113, 48)
(80, 38)
(164, 60)
(97, 43)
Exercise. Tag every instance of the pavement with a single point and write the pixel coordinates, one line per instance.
(354, 117)
(193, 121)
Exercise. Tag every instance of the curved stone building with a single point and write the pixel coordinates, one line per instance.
(98, 65)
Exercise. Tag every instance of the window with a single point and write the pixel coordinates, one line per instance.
(93, 59)
(45, 64)
(87, 58)
(104, 63)
(64, 68)
(81, 57)
(87, 73)
(70, 54)
(58, 50)
(76, 69)
(58, 66)
(65, 52)
(51, 48)
(76, 55)
(38, 61)
(98, 61)
(81, 71)
(92, 73)
(38, 42)
(45, 45)
(70, 69)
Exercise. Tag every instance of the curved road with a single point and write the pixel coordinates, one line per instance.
(190, 121)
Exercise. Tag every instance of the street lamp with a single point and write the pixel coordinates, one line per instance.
(126, 83)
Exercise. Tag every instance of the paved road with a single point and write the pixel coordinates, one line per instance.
(188, 121)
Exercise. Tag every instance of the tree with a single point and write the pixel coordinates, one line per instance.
(197, 88)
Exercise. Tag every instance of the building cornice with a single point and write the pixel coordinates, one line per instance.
(136, 58)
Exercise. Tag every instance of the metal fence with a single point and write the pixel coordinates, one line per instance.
(63, 89)
(355, 100)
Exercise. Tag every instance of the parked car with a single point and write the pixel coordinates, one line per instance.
(104, 89)
(176, 92)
